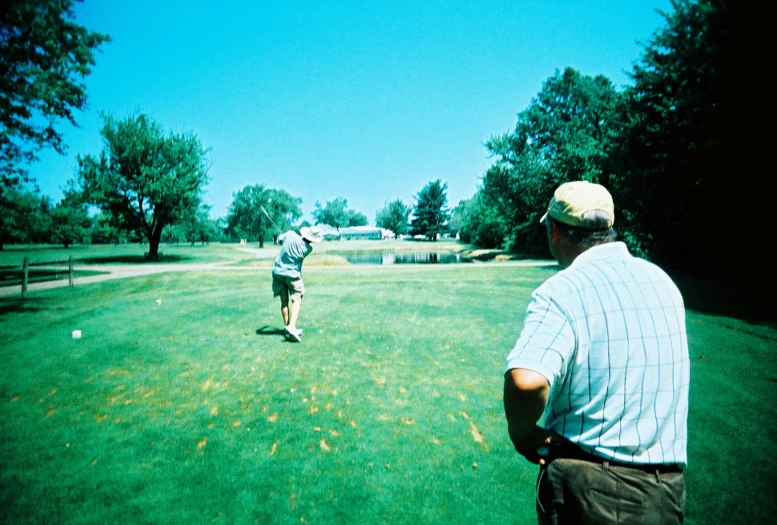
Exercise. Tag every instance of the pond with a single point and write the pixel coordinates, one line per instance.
(371, 257)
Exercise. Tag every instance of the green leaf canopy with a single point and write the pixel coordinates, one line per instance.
(143, 178)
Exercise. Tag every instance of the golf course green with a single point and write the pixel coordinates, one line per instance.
(183, 403)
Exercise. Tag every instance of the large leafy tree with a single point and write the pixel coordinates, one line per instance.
(37, 223)
(569, 132)
(513, 196)
(245, 218)
(394, 216)
(431, 211)
(284, 208)
(571, 126)
(479, 222)
(22, 215)
(688, 138)
(143, 178)
(336, 213)
(198, 226)
(102, 230)
(44, 58)
(220, 228)
(357, 218)
(70, 222)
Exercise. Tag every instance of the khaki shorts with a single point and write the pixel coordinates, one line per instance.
(291, 287)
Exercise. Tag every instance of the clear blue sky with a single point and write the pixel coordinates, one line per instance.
(363, 100)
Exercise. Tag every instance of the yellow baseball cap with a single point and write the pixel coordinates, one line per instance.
(572, 200)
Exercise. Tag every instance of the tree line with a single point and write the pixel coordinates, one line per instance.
(667, 147)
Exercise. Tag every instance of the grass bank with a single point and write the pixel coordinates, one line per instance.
(182, 402)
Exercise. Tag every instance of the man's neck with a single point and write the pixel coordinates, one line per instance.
(572, 251)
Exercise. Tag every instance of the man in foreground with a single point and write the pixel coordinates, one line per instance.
(596, 388)
(287, 275)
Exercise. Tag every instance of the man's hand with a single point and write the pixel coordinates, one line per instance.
(537, 445)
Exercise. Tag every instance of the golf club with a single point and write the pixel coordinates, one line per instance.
(272, 221)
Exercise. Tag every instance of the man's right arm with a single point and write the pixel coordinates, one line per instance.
(525, 396)
(539, 359)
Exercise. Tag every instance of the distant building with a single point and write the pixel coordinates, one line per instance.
(357, 233)
(328, 233)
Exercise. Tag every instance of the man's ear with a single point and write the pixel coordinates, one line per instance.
(555, 232)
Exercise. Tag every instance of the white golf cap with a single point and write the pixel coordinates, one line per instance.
(311, 234)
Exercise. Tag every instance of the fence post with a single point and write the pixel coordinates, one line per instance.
(25, 275)
(70, 270)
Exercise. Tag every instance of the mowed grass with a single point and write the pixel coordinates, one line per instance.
(183, 403)
(84, 254)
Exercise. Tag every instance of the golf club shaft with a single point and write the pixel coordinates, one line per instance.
(272, 221)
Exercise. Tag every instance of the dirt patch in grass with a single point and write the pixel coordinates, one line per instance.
(490, 255)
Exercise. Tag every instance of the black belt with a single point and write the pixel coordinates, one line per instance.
(569, 450)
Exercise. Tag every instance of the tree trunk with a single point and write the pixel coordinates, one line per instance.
(153, 243)
(261, 242)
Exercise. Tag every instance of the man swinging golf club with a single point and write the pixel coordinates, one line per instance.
(287, 275)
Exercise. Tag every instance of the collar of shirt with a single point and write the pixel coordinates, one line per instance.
(602, 251)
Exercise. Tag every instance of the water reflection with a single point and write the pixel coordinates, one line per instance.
(358, 257)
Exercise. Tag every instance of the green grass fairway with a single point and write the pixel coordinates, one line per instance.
(183, 403)
(83, 255)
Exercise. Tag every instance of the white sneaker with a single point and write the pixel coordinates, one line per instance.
(290, 337)
(294, 332)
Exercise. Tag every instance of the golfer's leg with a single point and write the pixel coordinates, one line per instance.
(296, 304)
(285, 308)
(280, 288)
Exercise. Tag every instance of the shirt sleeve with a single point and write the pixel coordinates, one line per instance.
(547, 341)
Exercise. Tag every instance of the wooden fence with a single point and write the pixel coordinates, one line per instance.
(27, 265)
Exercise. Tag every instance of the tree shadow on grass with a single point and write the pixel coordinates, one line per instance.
(19, 305)
(132, 259)
(744, 302)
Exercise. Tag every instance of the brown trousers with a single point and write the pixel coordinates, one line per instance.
(573, 491)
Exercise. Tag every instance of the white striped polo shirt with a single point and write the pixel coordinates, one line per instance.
(608, 333)
(294, 249)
